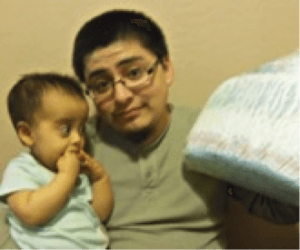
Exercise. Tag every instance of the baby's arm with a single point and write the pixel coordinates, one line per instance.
(103, 201)
(36, 208)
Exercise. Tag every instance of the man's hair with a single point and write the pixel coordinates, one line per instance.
(115, 25)
(24, 99)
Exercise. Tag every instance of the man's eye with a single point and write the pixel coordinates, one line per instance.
(101, 86)
(150, 71)
(134, 73)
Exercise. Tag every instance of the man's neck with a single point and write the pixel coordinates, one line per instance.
(139, 137)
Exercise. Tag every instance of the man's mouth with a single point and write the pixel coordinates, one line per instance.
(129, 112)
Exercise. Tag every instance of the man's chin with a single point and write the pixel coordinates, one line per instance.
(131, 130)
(131, 126)
(135, 133)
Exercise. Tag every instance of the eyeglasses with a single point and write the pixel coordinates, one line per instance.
(134, 77)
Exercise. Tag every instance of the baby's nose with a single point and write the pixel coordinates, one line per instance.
(77, 139)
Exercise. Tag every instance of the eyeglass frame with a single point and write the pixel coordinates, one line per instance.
(113, 83)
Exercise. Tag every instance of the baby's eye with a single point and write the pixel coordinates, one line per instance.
(65, 129)
(82, 130)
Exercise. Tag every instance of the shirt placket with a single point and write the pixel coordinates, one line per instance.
(148, 170)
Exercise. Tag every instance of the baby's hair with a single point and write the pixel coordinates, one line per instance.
(24, 99)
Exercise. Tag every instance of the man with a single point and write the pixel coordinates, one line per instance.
(123, 61)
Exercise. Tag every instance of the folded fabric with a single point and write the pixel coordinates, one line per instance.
(248, 132)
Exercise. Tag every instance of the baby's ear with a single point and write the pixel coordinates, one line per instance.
(24, 133)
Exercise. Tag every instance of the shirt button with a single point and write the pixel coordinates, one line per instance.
(148, 175)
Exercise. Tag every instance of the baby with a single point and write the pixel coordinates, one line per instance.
(58, 195)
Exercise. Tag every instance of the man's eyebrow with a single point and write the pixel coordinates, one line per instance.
(122, 62)
(97, 72)
(129, 60)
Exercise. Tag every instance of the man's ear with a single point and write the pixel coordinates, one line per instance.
(24, 133)
(169, 69)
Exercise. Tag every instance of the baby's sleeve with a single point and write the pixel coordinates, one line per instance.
(17, 177)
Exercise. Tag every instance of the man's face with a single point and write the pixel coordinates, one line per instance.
(131, 110)
(58, 124)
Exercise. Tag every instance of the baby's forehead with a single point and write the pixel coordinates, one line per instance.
(57, 102)
(73, 91)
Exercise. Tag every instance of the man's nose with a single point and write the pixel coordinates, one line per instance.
(122, 94)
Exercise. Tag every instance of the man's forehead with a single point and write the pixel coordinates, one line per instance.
(116, 52)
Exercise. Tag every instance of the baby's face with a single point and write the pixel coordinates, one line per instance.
(58, 124)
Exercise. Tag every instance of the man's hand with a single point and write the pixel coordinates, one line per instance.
(92, 167)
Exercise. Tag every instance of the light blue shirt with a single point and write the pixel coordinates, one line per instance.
(75, 226)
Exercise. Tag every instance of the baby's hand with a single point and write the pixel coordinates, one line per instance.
(91, 166)
(69, 162)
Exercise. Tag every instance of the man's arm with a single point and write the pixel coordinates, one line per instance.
(103, 201)
(36, 208)
(268, 208)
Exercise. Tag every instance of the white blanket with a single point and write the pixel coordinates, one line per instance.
(248, 133)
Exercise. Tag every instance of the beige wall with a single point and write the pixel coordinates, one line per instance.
(210, 40)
